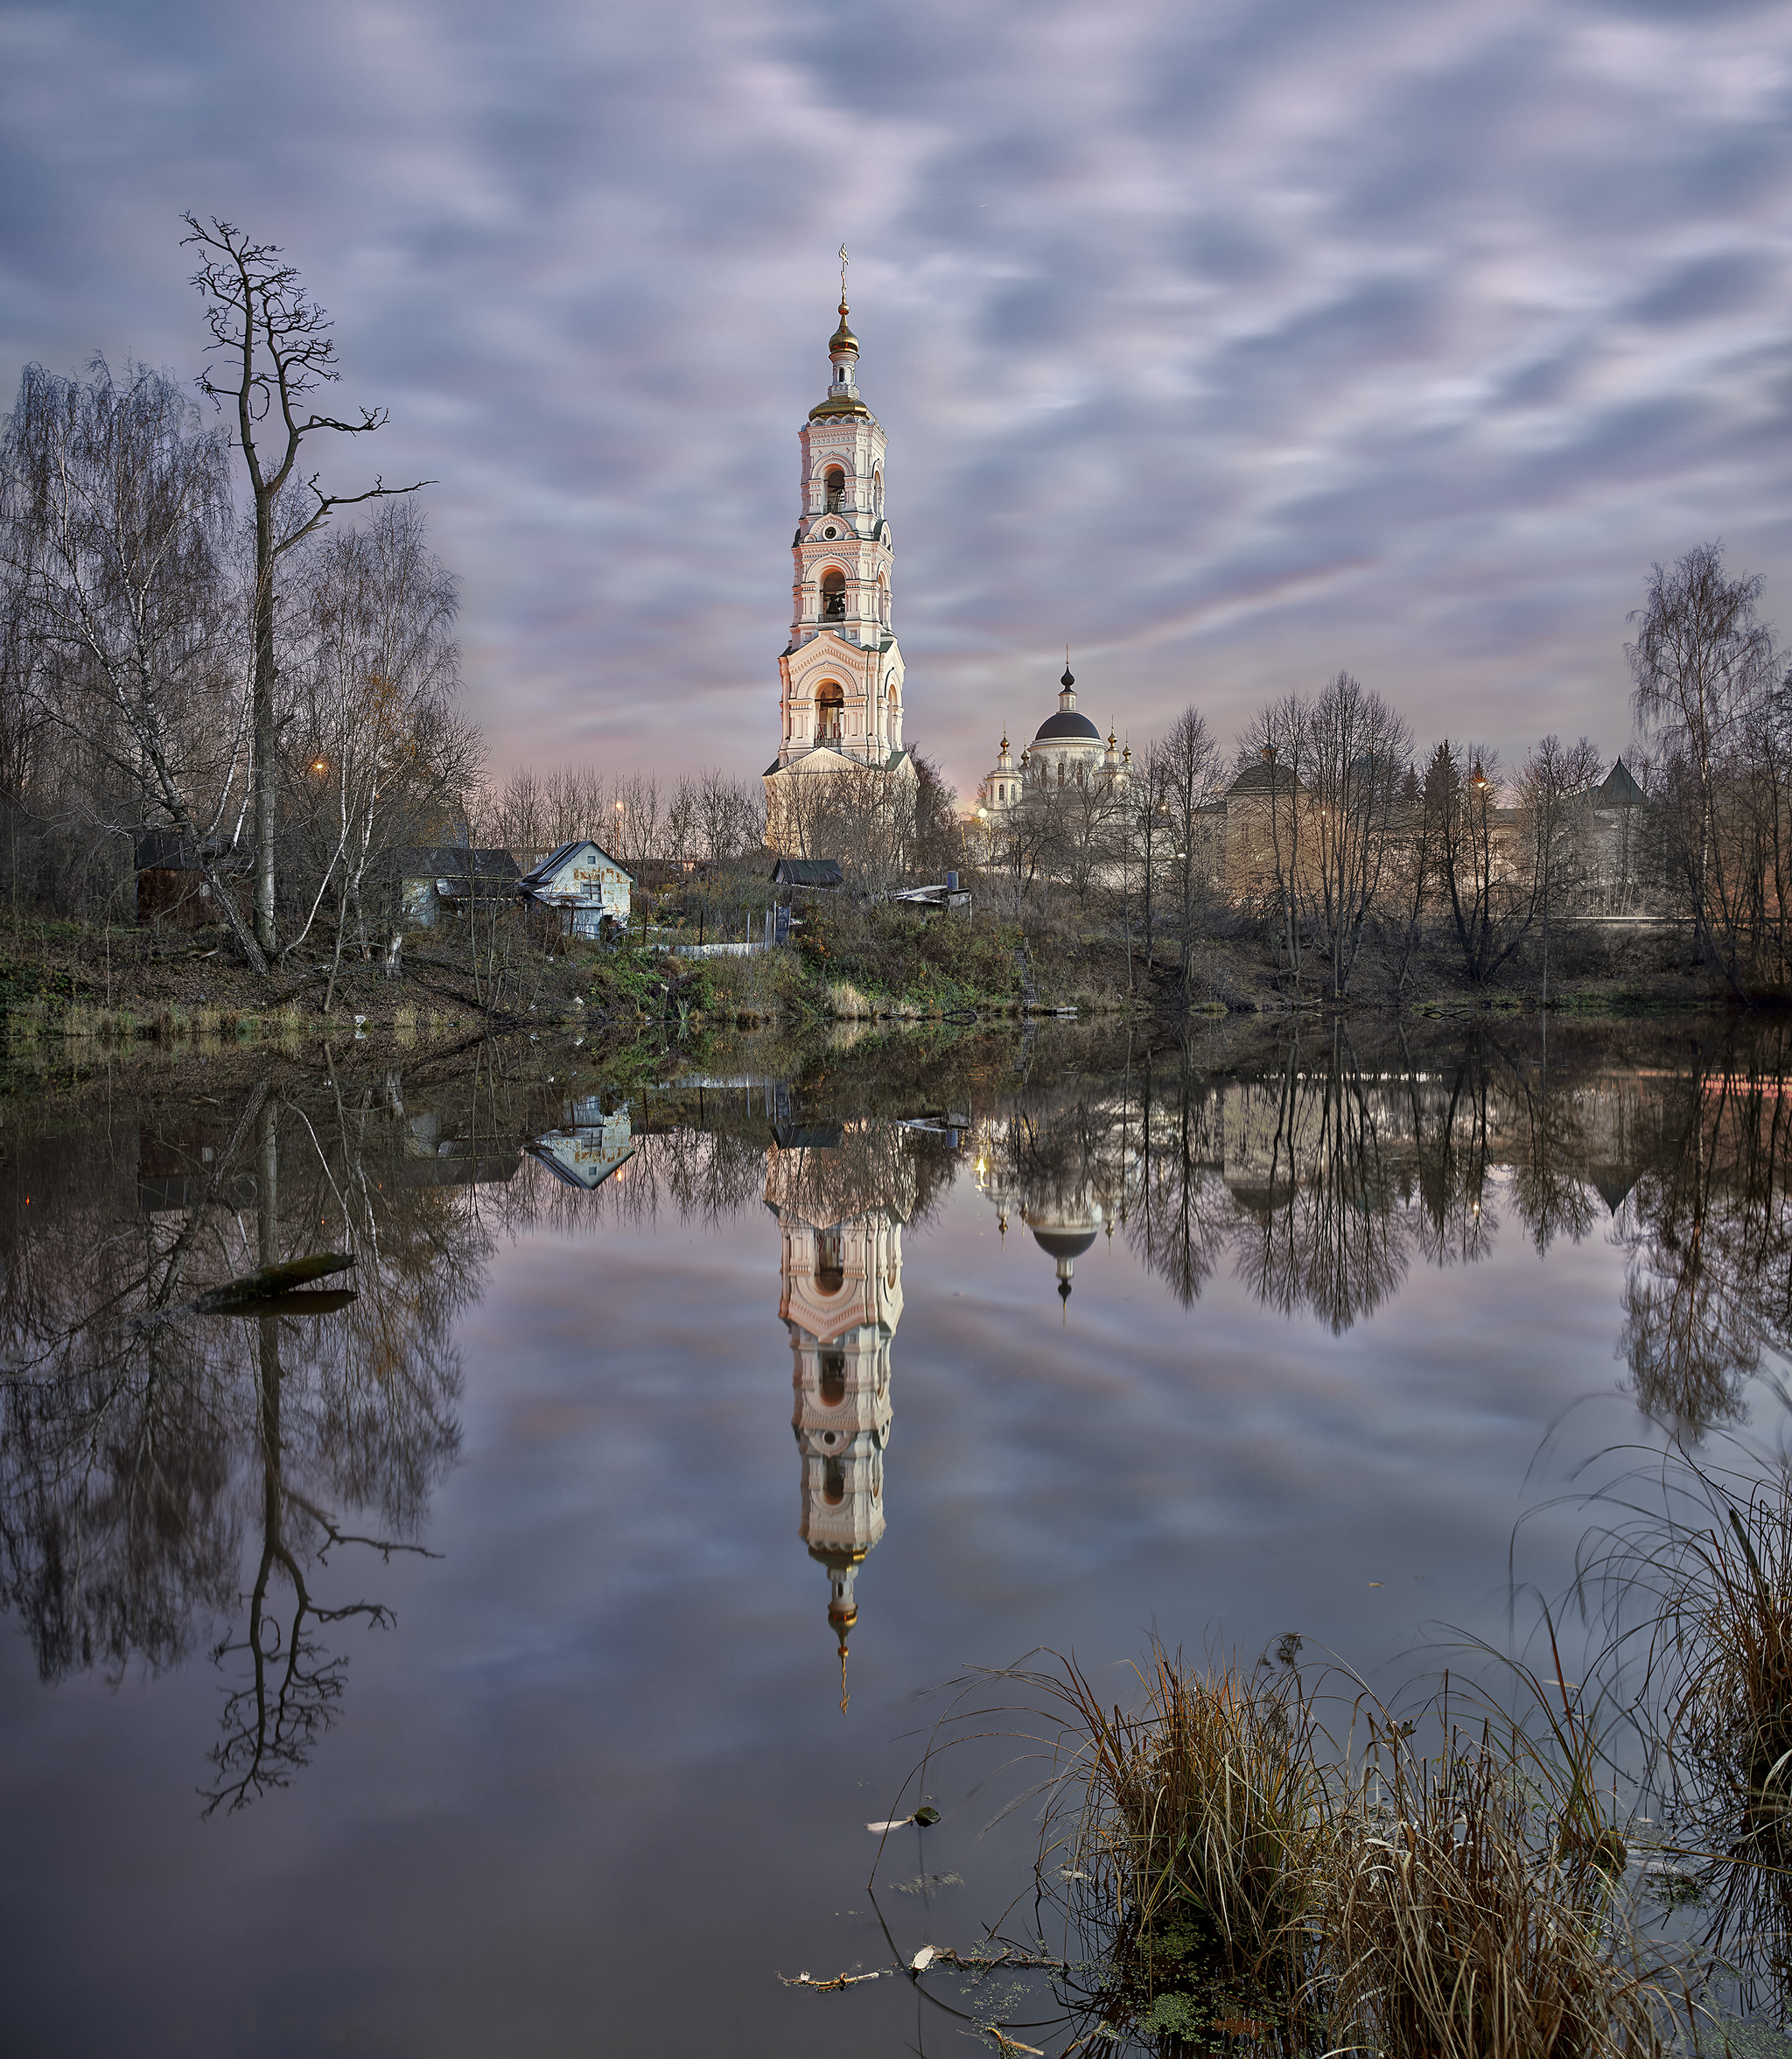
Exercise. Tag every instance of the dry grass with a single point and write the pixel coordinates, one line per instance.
(1232, 1876)
(1724, 1655)
(1203, 1807)
(1459, 1921)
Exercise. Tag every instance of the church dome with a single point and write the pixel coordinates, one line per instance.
(1067, 724)
(843, 338)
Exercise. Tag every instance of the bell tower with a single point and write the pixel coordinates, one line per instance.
(840, 675)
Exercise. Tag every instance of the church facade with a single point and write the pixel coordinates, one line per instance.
(840, 673)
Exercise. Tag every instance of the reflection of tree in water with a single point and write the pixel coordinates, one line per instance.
(142, 1441)
(1453, 1220)
(1327, 1239)
(1709, 1282)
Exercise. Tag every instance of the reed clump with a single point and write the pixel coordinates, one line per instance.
(1724, 1632)
(1198, 1843)
(1235, 1876)
(1462, 1916)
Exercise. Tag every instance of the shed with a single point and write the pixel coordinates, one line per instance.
(171, 885)
(584, 882)
(431, 881)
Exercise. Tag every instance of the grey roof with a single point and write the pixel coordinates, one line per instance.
(167, 851)
(1263, 779)
(1617, 789)
(537, 875)
(1066, 723)
(806, 872)
(445, 861)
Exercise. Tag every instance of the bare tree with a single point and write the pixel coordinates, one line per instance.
(1493, 895)
(1357, 748)
(1185, 777)
(385, 753)
(1551, 781)
(861, 815)
(277, 343)
(1273, 757)
(1704, 667)
(115, 526)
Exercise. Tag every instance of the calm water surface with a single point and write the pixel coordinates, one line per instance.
(545, 1750)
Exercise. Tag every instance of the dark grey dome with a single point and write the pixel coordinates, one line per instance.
(1067, 724)
(1064, 1243)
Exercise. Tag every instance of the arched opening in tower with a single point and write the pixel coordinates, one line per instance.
(830, 712)
(835, 488)
(830, 1255)
(833, 1378)
(833, 1482)
(834, 596)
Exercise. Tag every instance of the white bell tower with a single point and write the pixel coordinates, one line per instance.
(840, 703)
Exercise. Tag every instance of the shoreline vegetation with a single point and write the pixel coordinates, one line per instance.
(71, 987)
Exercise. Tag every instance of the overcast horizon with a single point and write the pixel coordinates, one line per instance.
(1231, 345)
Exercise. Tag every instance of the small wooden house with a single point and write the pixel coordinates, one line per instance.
(584, 882)
(427, 884)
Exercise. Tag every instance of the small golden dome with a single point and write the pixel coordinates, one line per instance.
(843, 338)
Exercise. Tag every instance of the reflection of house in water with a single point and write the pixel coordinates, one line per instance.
(841, 1198)
(589, 1145)
(1066, 1172)
(429, 1158)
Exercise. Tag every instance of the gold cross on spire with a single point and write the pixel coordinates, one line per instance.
(844, 261)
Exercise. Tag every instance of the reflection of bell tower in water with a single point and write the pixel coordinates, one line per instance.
(841, 1273)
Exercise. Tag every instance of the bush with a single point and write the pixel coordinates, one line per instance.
(931, 962)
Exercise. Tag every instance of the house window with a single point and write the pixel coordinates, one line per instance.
(834, 596)
(834, 485)
(830, 705)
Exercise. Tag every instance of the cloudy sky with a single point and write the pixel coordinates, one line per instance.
(1231, 342)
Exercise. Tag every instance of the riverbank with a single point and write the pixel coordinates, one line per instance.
(86, 994)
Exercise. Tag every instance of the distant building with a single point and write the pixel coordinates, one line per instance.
(1067, 750)
(584, 882)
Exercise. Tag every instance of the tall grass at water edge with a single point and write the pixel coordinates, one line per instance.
(1232, 1874)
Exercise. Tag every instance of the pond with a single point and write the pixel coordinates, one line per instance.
(482, 1664)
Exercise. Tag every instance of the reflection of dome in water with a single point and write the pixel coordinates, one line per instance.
(1066, 1241)
(1063, 1244)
